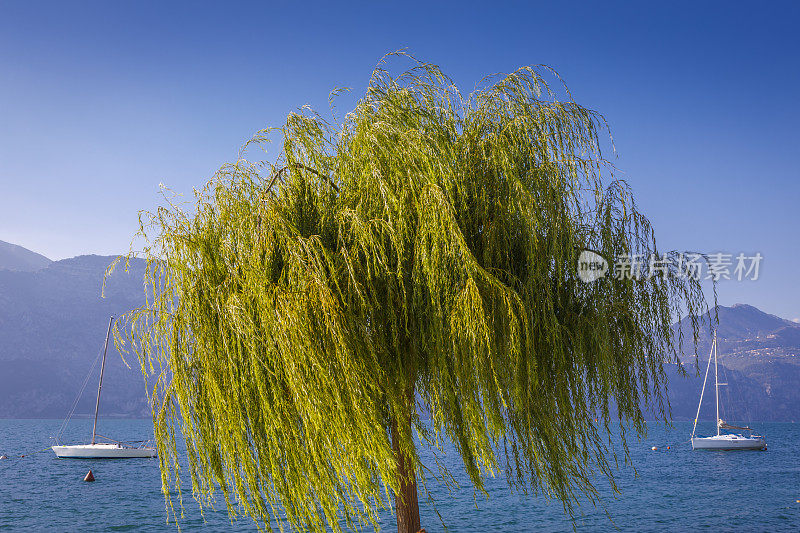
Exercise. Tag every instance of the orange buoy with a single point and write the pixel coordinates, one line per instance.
(668, 447)
(89, 476)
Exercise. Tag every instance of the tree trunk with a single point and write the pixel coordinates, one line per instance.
(406, 502)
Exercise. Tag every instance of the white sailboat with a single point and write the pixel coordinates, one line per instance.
(103, 450)
(723, 441)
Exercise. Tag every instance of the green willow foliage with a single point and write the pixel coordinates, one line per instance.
(416, 261)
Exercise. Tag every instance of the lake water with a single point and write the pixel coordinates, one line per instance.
(675, 489)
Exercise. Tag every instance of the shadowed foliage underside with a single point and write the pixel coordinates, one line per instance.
(414, 262)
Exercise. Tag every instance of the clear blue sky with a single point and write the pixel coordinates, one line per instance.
(101, 102)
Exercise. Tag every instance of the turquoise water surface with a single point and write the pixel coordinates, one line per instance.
(675, 490)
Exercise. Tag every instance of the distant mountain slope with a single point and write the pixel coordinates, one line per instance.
(742, 322)
(52, 325)
(759, 355)
(765, 391)
(14, 257)
(746, 336)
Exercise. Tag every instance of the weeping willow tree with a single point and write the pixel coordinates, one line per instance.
(404, 278)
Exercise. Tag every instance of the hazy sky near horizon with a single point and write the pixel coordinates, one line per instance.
(101, 102)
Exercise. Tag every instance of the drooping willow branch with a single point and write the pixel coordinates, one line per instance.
(324, 176)
(278, 175)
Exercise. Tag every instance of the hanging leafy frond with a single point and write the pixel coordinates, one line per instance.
(402, 278)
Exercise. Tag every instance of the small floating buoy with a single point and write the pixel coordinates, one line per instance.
(89, 476)
(654, 448)
(668, 447)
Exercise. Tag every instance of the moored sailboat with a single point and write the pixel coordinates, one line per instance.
(103, 450)
(723, 441)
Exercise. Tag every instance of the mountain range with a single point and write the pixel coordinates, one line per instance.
(15, 257)
(53, 321)
(759, 357)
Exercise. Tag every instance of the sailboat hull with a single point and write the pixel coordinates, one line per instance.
(102, 451)
(729, 442)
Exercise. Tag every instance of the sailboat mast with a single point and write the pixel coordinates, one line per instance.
(703, 390)
(716, 378)
(100, 385)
